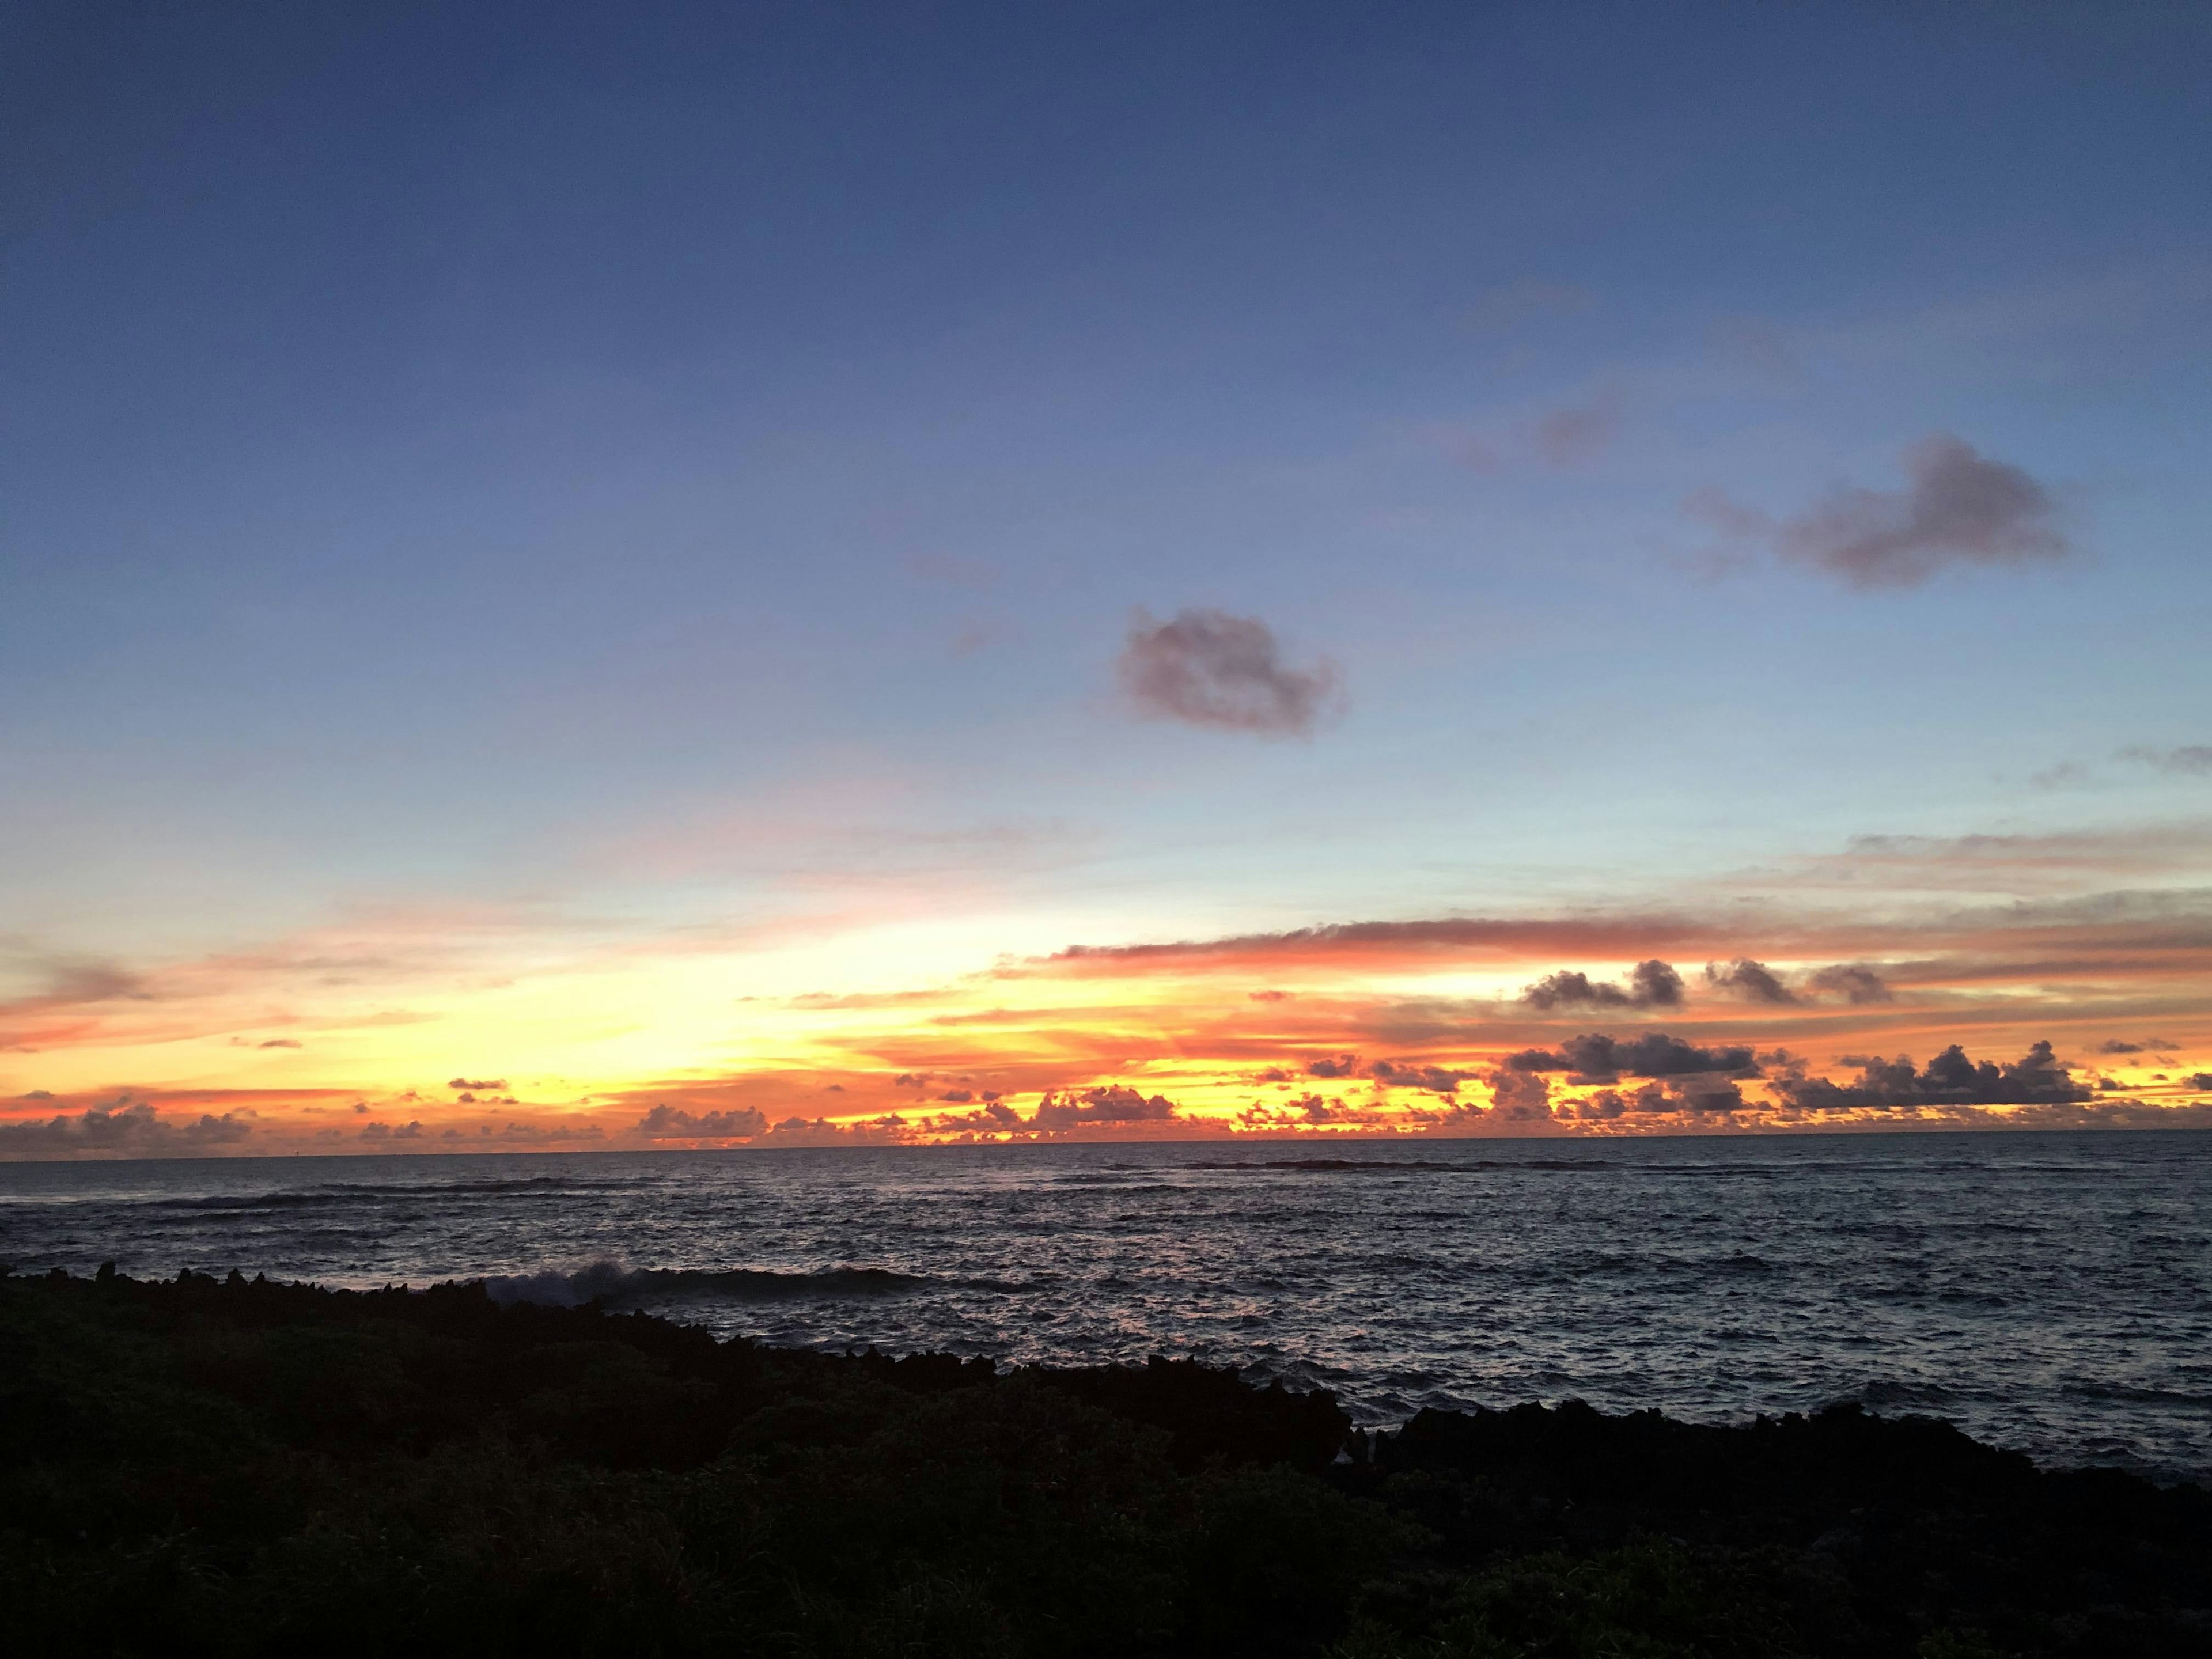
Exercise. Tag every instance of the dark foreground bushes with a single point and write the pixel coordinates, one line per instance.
(205, 1468)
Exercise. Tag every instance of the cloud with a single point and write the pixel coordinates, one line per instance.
(1337, 1066)
(486, 1085)
(1570, 436)
(1749, 980)
(135, 1128)
(1856, 984)
(1959, 507)
(673, 1123)
(2201, 1080)
(1519, 1096)
(1407, 1074)
(1520, 302)
(1950, 1080)
(1654, 1054)
(1449, 936)
(1651, 984)
(280, 1042)
(890, 1129)
(2192, 760)
(1705, 1094)
(77, 980)
(1110, 1103)
(1208, 668)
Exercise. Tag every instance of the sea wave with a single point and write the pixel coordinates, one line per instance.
(617, 1284)
(357, 1192)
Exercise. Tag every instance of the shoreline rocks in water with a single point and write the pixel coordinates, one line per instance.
(197, 1466)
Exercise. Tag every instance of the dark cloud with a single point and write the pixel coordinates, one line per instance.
(673, 1123)
(1112, 1103)
(2116, 1046)
(959, 1097)
(280, 1042)
(1652, 984)
(2192, 760)
(1519, 1096)
(1208, 668)
(890, 1129)
(1341, 1066)
(1269, 996)
(1852, 983)
(486, 1085)
(1597, 1057)
(1406, 1075)
(135, 1128)
(1749, 980)
(1705, 1094)
(1950, 1080)
(1959, 507)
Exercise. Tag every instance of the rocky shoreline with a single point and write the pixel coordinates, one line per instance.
(232, 1467)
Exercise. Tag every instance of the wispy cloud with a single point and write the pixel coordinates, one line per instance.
(2192, 760)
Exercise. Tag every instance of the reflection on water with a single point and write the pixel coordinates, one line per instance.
(2051, 1292)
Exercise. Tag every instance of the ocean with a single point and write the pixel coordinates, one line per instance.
(2051, 1292)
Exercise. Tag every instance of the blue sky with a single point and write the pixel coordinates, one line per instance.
(480, 455)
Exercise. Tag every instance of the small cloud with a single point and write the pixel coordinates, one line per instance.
(280, 1042)
(1854, 984)
(2192, 760)
(1519, 1096)
(1341, 1066)
(1209, 668)
(1652, 984)
(1959, 507)
(952, 570)
(1573, 435)
(1269, 996)
(973, 637)
(490, 1086)
(1755, 344)
(1402, 1074)
(1600, 1058)
(1112, 1103)
(1952, 1079)
(673, 1123)
(1516, 303)
(1749, 980)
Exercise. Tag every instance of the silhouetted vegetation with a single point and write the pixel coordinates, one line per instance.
(230, 1467)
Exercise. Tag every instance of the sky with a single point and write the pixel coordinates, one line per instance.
(738, 575)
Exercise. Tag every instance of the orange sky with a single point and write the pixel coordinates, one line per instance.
(486, 1026)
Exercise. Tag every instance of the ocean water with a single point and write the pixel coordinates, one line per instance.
(2050, 1292)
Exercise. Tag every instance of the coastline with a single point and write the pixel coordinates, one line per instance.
(263, 1463)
